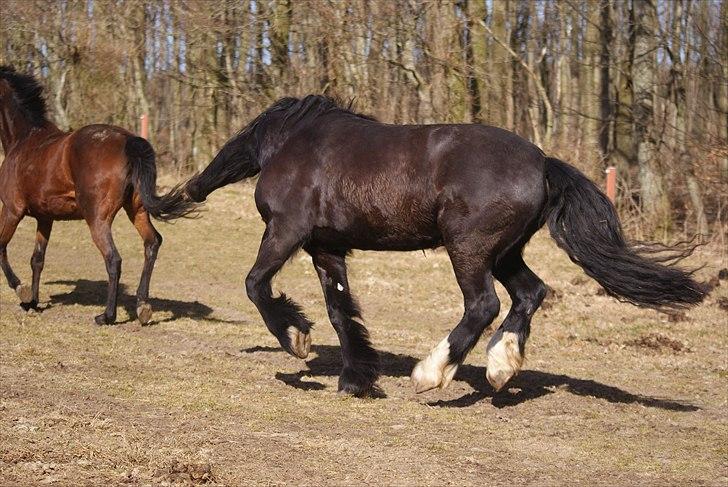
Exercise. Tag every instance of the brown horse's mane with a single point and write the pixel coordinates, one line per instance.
(28, 93)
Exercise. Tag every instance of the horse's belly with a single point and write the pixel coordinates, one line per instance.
(368, 237)
(58, 207)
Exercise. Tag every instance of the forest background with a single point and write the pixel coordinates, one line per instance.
(638, 84)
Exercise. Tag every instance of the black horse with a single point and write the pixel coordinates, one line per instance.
(332, 180)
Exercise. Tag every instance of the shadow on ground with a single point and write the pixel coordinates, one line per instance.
(93, 293)
(529, 384)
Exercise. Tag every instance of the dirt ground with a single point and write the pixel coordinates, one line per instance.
(610, 394)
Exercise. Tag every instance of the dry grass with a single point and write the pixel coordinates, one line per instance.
(611, 394)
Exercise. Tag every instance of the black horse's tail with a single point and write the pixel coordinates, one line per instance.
(174, 204)
(585, 224)
(237, 160)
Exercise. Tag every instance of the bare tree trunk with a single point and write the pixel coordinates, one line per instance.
(501, 104)
(280, 35)
(625, 153)
(540, 90)
(476, 57)
(721, 101)
(605, 102)
(563, 81)
(654, 201)
(589, 84)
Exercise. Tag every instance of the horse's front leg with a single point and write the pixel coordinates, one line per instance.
(282, 316)
(361, 361)
(37, 261)
(8, 223)
(471, 263)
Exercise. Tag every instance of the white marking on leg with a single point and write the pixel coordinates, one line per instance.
(435, 370)
(339, 286)
(504, 358)
(24, 293)
(144, 313)
(300, 342)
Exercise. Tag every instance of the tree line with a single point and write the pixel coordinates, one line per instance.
(638, 84)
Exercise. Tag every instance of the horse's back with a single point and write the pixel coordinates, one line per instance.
(99, 166)
(97, 147)
(55, 172)
(482, 160)
(367, 185)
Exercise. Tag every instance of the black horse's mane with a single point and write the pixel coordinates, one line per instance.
(28, 92)
(241, 156)
(298, 110)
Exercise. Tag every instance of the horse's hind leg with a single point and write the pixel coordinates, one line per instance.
(506, 347)
(472, 265)
(42, 234)
(8, 223)
(361, 362)
(101, 234)
(152, 241)
(282, 316)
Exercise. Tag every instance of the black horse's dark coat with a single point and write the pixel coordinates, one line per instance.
(332, 180)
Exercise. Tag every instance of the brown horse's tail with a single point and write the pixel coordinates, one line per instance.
(175, 203)
(585, 224)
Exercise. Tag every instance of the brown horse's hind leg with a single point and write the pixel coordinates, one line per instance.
(101, 234)
(8, 223)
(152, 241)
(42, 234)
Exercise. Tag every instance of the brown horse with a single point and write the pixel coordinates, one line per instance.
(89, 173)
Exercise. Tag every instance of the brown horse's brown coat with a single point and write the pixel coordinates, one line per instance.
(52, 175)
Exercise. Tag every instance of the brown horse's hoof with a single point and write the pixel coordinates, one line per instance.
(102, 320)
(144, 313)
(24, 293)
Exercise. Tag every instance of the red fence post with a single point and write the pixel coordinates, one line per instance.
(612, 183)
(144, 126)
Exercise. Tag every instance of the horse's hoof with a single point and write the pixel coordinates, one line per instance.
(102, 320)
(504, 358)
(25, 293)
(30, 307)
(144, 313)
(435, 370)
(361, 384)
(299, 342)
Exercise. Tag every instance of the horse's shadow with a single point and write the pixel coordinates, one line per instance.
(529, 384)
(93, 293)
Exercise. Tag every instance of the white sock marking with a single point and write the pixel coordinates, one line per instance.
(504, 358)
(435, 370)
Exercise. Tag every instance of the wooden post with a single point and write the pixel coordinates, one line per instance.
(144, 126)
(612, 183)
